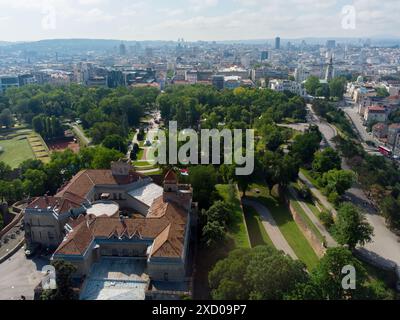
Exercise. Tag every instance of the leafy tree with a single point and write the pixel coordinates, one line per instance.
(351, 227)
(115, 142)
(312, 84)
(203, 180)
(34, 182)
(103, 157)
(337, 87)
(6, 118)
(326, 279)
(304, 146)
(5, 170)
(338, 181)
(213, 233)
(390, 207)
(260, 273)
(326, 160)
(64, 291)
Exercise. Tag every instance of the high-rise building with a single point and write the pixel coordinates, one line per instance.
(277, 43)
(264, 55)
(331, 44)
(218, 81)
(122, 49)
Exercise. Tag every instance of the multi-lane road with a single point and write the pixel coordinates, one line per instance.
(385, 245)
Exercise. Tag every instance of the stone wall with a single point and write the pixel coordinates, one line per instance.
(315, 243)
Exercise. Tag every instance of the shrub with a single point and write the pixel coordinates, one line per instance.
(326, 219)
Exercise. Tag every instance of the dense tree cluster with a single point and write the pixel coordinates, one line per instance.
(379, 176)
(263, 273)
(36, 178)
(47, 127)
(335, 88)
(102, 111)
(238, 108)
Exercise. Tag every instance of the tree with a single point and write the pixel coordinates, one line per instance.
(34, 182)
(115, 142)
(326, 160)
(391, 211)
(103, 157)
(382, 92)
(351, 227)
(261, 273)
(64, 291)
(6, 118)
(213, 233)
(305, 145)
(203, 180)
(312, 84)
(337, 87)
(338, 181)
(326, 279)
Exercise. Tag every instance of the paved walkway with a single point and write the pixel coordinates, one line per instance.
(318, 194)
(330, 242)
(271, 227)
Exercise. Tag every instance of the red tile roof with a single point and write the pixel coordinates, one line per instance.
(85, 180)
(165, 224)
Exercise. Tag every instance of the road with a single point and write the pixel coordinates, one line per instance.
(19, 276)
(81, 134)
(385, 245)
(271, 227)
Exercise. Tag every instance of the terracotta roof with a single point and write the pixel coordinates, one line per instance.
(376, 109)
(59, 204)
(170, 176)
(85, 180)
(165, 224)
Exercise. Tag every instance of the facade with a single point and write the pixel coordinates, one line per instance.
(393, 133)
(8, 82)
(218, 81)
(287, 85)
(375, 114)
(118, 213)
(277, 43)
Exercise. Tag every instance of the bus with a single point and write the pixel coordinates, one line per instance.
(385, 151)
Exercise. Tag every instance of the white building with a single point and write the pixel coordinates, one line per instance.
(287, 85)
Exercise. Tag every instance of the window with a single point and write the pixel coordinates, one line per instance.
(166, 276)
(115, 252)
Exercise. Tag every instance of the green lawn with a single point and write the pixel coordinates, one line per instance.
(307, 174)
(258, 235)
(15, 151)
(237, 229)
(286, 224)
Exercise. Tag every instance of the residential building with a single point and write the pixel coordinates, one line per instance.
(375, 114)
(287, 85)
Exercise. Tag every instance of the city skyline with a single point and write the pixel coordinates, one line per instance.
(195, 20)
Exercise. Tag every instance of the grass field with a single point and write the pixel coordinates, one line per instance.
(237, 229)
(286, 224)
(16, 151)
(258, 235)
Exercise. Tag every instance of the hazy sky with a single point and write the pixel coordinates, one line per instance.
(196, 19)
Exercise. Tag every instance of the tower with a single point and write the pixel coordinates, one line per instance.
(329, 70)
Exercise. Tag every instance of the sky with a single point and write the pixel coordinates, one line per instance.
(30, 20)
